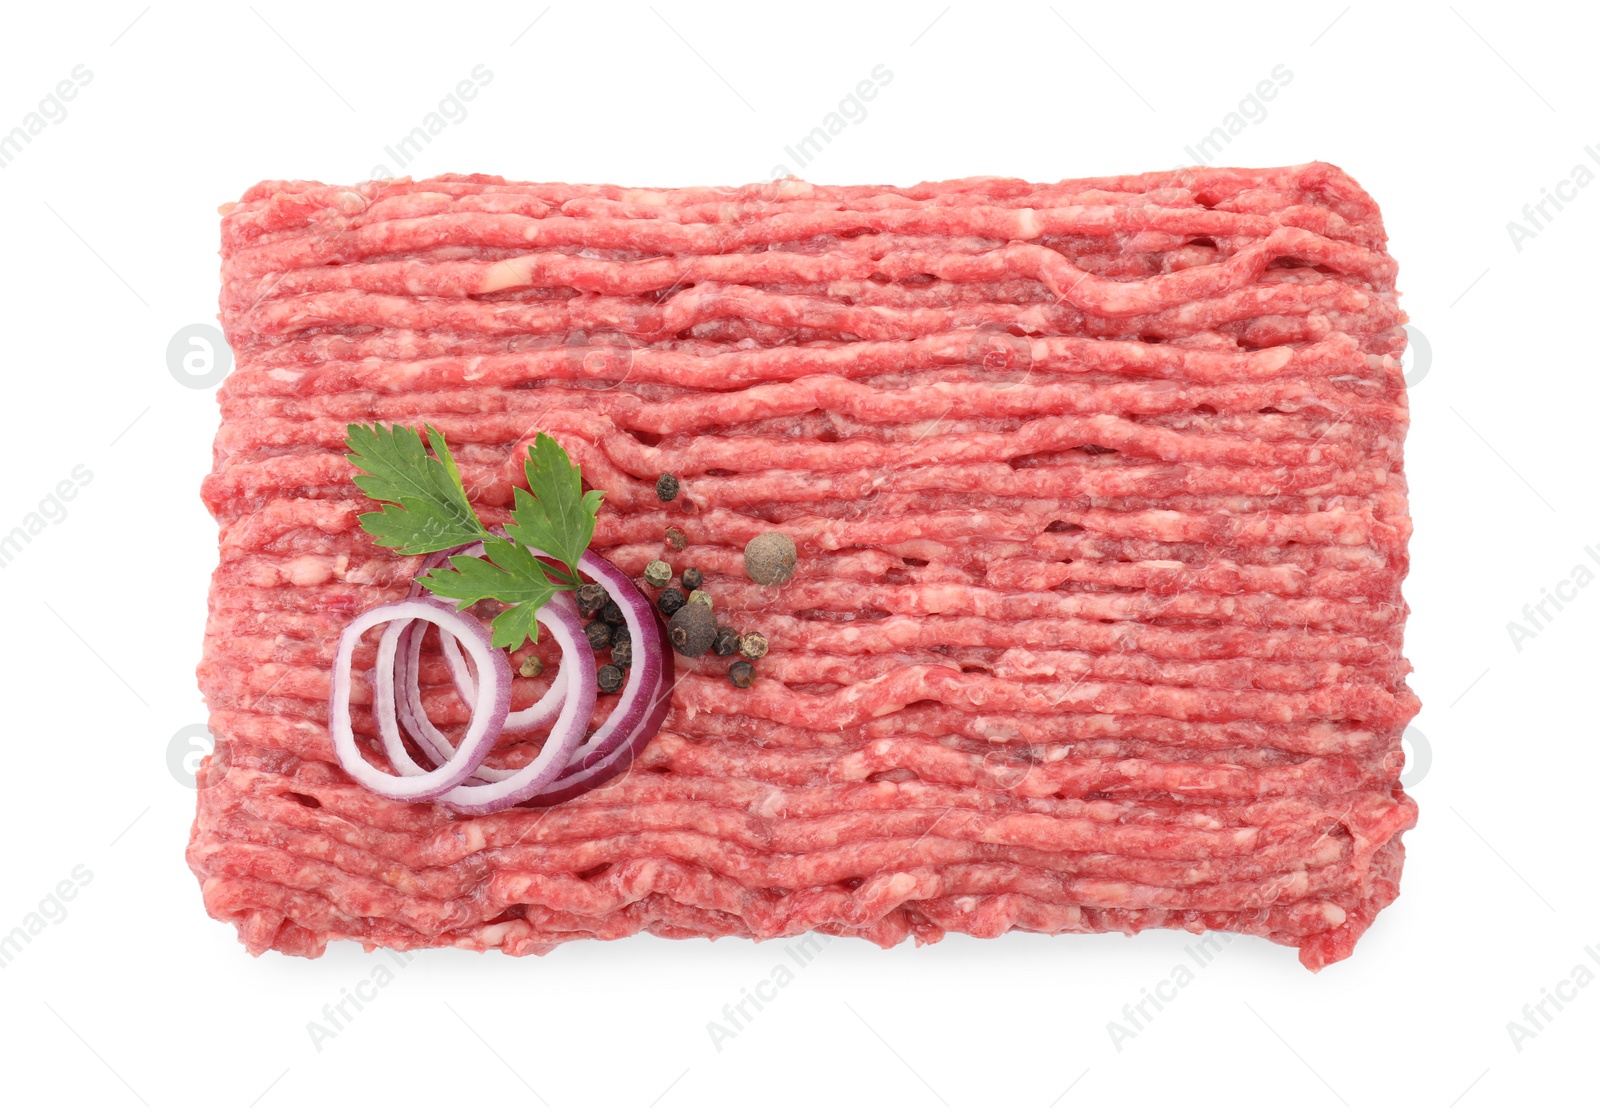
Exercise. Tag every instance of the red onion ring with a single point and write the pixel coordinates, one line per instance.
(408, 687)
(567, 765)
(540, 714)
(645, 699)
(535, 717)
(392, 685)
(566, 734)
(584, 772)
(466, 685)
(407, 679)
(494, 669)
(645, 675)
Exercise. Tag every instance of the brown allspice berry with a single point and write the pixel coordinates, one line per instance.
(769, 558)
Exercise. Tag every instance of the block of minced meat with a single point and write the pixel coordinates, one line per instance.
(1083, 612)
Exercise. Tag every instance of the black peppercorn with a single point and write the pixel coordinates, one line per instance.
(591, 598)
(622, 654)
(667, 487)
(742, 674)
(620, 635)
(692, 578)
(670, 600)
(608, 678)
(599, 635)
(727, 642)
(612, 614)
(692, 630)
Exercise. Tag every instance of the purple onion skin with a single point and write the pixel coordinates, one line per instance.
(579, 777)
(609, 752)
(495, 668)
(565, 736)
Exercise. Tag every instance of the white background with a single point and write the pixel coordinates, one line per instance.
(110, 236)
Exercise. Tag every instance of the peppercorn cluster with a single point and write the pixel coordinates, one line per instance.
(692, 626)
(607, 629)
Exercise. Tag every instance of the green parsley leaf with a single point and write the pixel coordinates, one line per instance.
(425, 505)
(555, 514)
(425, 509)
(507, 573)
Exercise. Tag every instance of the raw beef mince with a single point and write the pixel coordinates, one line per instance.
(1097, 492)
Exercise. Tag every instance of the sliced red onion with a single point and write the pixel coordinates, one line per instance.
(535, 717)
(494, 672)
(642, 705)
(408, 696)
(562, 619)
(645, 699)
(644, 677)
(408, 657)
(408, 665)
(585, 771)
(567, 765)
(541, 714)
(466, 685)
(408, 677)
(393, 682)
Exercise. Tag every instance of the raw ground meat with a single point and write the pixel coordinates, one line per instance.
(1101, 520)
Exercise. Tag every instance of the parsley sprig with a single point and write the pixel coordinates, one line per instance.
(425, 509)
